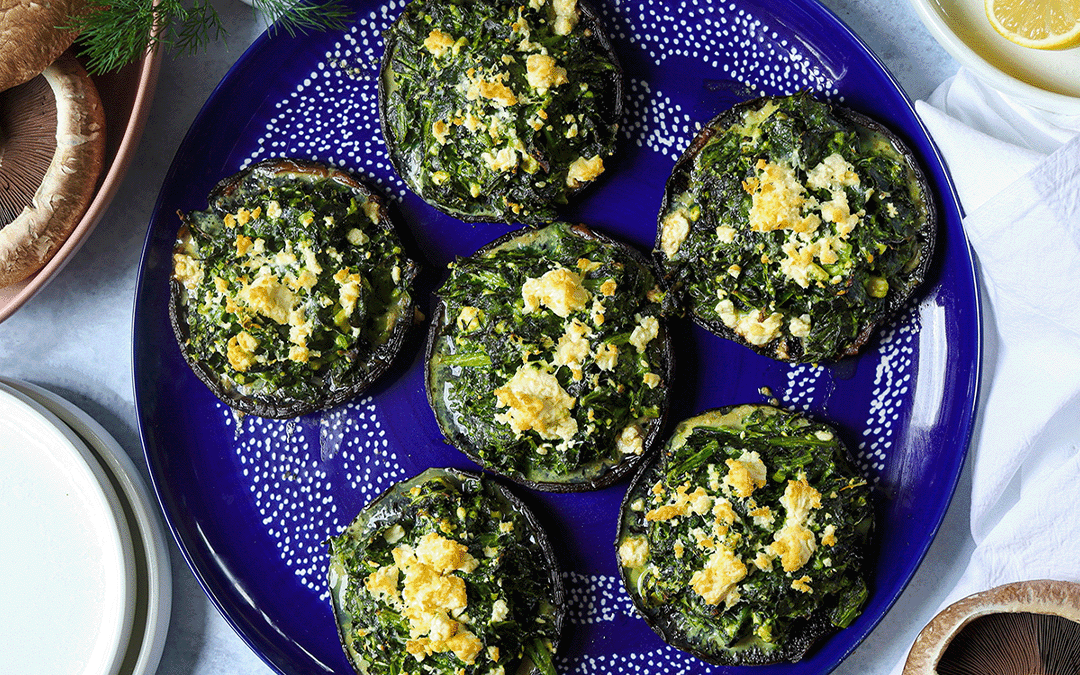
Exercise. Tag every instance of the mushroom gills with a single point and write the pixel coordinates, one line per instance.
(1014, 643)
(27, 144)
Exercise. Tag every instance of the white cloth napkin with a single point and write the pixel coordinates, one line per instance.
(1017, 172)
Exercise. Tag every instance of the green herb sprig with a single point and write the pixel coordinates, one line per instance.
(114, 33)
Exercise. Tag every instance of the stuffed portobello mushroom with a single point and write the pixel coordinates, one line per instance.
(291, 293)
(495, 110)
(795, 227)
(548, 361)
(447, 573)
(743, 542)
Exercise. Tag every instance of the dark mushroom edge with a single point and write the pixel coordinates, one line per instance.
(291, 293)
(743, 541)
(548, 361)
(495, 110)
(795, 227)
(449, 570)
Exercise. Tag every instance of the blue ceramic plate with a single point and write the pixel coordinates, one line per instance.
(251, 502)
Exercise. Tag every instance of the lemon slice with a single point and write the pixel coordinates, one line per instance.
(1040, 24)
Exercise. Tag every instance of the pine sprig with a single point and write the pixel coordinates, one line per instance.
(113, 33)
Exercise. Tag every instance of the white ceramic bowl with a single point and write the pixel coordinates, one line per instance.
(1046, 79)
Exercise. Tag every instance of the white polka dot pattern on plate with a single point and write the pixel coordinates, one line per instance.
(892, 384)
(332, 116)
(285, 462)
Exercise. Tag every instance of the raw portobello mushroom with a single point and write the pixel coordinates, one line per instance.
(448, 573)
(548, 361)
(291, 293)
(795, 227)
(743, 542)
(495, 110)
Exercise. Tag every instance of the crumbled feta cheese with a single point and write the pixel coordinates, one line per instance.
(644, 332)
(799, 326)
(833, 172)
(543, 73)
(745, 474)
(583, 170)
(607, 356)
(673, 230)
(537, 402)
(566, 16)
(634, 551)
(718, 578)
(631, 440)
(187, 270)
(725, 234)
(560, 290)
(778, 199)
(240, 351)
(438, 42)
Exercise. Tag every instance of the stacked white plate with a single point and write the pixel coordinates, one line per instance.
(85, 579)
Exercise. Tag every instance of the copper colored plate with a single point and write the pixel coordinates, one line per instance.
(125, 95)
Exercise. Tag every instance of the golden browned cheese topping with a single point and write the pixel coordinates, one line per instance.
(423, 584)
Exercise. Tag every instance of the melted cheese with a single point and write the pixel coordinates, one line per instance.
(755, 326)
(644, 332)
(537, 402)
(583, 170)
(634, 552)
(745, 474)
(673, 231)
(438, 42)
(560, 290)
(543, 73)
(573, 348)
(717, 580)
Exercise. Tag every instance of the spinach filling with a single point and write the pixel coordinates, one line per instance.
(290, 289)
(549, 362)
(498, 110)
(745, 541)
(446, 573)
(795, 227)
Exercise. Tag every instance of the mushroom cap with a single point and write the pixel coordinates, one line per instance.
(30, 38)
(74, 155)
(1040, 597)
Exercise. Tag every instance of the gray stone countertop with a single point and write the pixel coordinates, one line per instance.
(74, 336)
